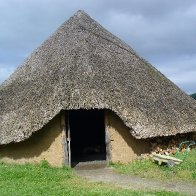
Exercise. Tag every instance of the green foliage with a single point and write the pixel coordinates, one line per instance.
(193, 95)
(44, 164)
(186, 171)
(42, 179)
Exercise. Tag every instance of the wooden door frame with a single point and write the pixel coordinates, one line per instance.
(66, 137)
(107, 137)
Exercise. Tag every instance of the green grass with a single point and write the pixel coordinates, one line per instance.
(43, 180)
(186, 171)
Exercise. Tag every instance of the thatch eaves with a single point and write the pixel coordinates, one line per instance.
(82, 65)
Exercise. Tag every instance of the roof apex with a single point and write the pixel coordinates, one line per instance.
(80, 13)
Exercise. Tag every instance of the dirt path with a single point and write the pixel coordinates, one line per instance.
(107, 175)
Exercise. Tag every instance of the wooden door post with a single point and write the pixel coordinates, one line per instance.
(64, 137)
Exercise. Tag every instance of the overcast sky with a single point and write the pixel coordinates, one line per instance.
(161, 31)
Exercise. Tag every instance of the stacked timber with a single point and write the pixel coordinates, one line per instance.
(169, 145)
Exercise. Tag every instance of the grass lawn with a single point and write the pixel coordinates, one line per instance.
(186, 171)
(43, 180)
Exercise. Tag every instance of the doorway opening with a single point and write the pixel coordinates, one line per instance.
(87, 131)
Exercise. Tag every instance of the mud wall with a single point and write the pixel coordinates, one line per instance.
(122, 146)
(46, 144)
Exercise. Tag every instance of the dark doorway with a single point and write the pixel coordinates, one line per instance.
(87, 130)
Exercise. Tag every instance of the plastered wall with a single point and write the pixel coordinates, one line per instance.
(122, 145)
(45, 144)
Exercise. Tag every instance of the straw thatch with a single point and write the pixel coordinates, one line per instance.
(82, 65)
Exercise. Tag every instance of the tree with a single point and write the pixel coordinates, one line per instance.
(193, 96)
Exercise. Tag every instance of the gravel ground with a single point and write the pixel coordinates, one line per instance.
(107, 175)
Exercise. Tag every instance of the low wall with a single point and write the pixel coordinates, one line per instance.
(123, 146)
(46, 144)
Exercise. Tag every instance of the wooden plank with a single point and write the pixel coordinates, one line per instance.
(69, 140)
(107, 138)
(165, 157)
(64, 137)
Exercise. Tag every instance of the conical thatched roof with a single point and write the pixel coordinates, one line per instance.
(82, 65)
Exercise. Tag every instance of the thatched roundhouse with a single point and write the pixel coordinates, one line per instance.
(85, 85)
